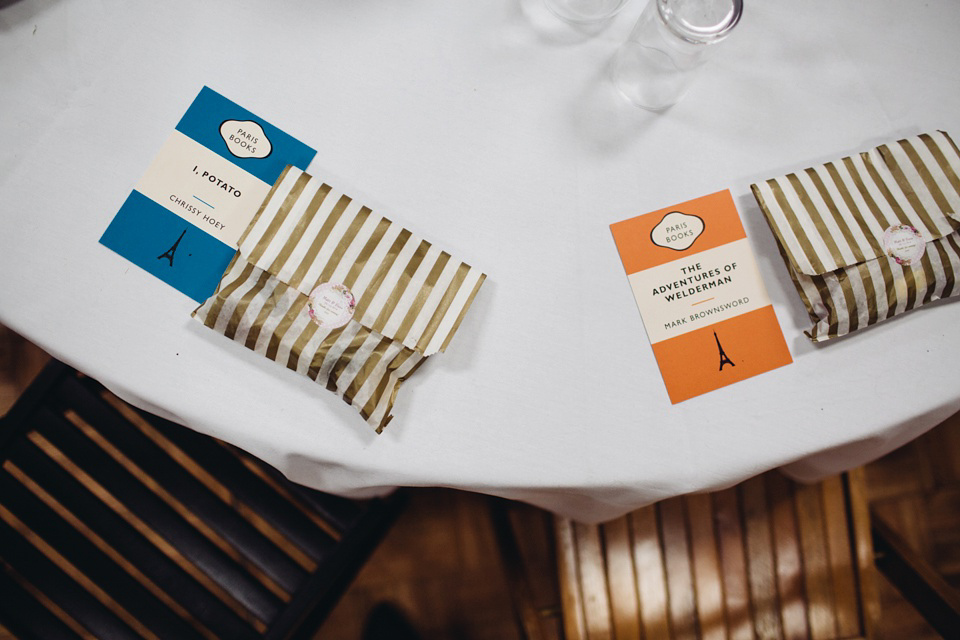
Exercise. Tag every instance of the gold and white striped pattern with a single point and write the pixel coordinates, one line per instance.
(411, 296)
(829, 222)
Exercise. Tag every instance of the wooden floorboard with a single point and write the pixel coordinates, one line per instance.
(20, 362)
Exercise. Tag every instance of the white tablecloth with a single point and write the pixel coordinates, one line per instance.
(492, 129)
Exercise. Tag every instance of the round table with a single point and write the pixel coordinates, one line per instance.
(492, 129)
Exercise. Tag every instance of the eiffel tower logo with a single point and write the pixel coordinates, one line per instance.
(724, 360)
(168, 254)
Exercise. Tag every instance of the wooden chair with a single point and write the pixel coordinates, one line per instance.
(766, 559)
(523, 535)
(117, 524)
(916, 579)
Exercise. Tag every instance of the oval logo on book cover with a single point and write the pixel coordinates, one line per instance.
(245, 139)
(677, 231)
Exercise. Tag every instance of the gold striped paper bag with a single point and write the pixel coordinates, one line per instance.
(332, 290)
(870, 236)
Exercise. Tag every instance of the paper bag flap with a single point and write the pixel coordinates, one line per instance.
(308, 234)
(891, 199)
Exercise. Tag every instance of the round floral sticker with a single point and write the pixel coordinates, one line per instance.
(904, 244)
(331, 305)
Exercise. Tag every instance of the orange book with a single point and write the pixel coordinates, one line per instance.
(703, 303)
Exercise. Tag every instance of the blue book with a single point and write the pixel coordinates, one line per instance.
(185, 215)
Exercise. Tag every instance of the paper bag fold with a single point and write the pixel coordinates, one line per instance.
(834, 222)
(409, 295)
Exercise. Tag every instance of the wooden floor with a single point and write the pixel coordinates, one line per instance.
(20, 362)
(916, 490)
(440, 564)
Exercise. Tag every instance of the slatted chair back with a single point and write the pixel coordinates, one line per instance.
(766, 559)
(523, 535)
(117, 524)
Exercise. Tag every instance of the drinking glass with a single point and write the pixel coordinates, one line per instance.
(585, 11)
(670, 42)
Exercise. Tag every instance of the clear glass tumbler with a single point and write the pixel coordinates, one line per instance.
(671, 41)
(585, 11)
